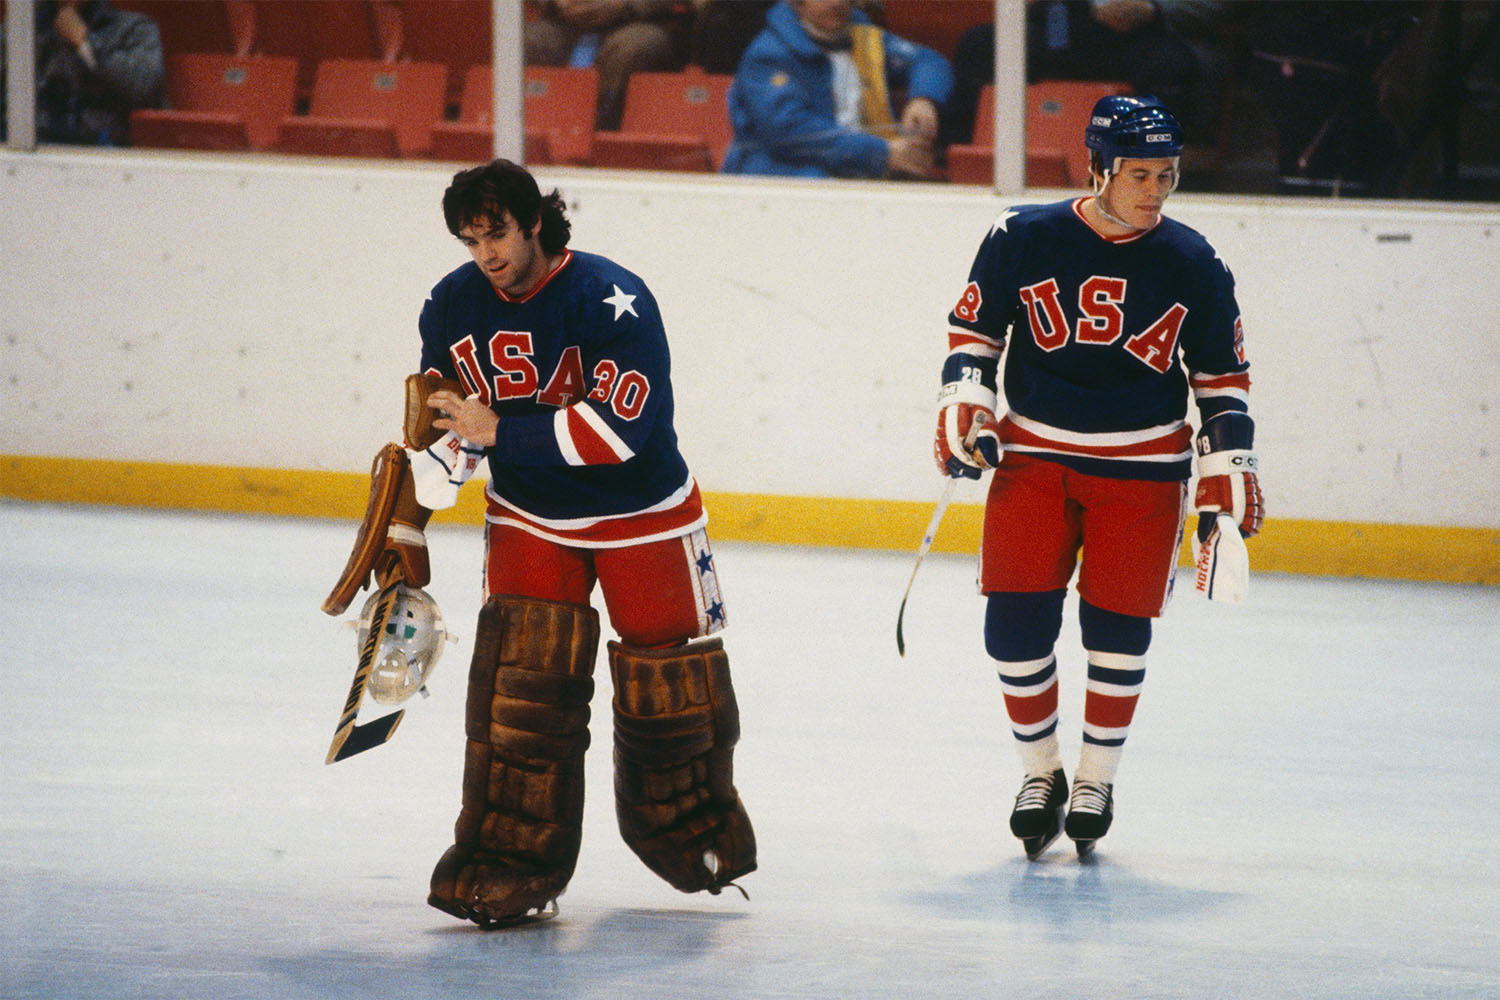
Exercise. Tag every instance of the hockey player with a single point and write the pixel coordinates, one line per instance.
(1107, 314)
(552, 364)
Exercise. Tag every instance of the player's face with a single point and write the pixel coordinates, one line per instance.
(513, 261)
(1136, 192)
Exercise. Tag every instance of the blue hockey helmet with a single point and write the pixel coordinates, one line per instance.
(1132, 128)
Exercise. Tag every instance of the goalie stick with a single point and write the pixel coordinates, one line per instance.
(932, 527)
(349, 738)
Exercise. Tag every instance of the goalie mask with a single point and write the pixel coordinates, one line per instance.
(414, 637)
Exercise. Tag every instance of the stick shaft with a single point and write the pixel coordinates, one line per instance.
(944, 499)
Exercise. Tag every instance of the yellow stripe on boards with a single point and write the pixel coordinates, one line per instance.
(1330, 548)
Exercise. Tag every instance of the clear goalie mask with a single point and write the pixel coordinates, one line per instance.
(413, 641)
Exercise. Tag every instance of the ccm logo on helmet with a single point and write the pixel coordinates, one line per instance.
(1158, 137)
(1100, 120)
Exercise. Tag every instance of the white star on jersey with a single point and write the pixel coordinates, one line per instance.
(623, 303)
(1000, 222)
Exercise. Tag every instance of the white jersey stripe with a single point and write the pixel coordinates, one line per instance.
(564, 436)
(596, 423)
(1104, 439)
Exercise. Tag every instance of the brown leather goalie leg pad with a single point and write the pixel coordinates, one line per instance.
(676, 724)
(519, 829)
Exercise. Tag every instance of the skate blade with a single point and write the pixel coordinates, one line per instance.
(1085, 849)
(1035, 847)
(538, 915)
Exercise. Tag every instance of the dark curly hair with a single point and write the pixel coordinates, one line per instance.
(500, 186)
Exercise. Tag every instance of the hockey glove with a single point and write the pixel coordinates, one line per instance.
(1226, 474)
(966, 443)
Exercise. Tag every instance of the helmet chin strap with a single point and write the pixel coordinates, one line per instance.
(1099, 204)
(1108, 175)
(1103, 210)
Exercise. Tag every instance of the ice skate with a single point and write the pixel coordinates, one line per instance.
(494, 891)
(1089, 814)
(1037, 818)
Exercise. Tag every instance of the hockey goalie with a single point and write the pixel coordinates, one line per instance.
(551, 366)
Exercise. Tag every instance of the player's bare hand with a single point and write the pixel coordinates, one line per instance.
(473, 421)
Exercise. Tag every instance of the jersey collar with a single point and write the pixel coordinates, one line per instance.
(562, 262)
(1124, 238)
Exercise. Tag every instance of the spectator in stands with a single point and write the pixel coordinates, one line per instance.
(94, 65)
(616, 37)
(1156, 46)
(814, 96)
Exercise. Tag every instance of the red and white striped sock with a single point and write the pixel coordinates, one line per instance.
(1030, 689)
(1114, 686)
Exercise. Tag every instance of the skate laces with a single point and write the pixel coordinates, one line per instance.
(1090, 797)
(1035, 792)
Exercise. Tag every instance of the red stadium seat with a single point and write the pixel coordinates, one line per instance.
(1057, 111)
(366, 107)
(973, 162)
(314, 31)
(559, 111)
(453, 32)
(559, 117)
(472, 136)
(1045, 168)
(672, 121)
(206, 130)
(936, 25)
(220, 102)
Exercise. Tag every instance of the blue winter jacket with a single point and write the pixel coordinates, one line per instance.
(781, 103)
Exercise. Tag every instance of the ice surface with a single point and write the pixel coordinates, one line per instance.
(1307, 806)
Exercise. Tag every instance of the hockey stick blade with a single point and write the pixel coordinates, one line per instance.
(1222, 570)
(922, 550)
(349, 738)
(358, 739)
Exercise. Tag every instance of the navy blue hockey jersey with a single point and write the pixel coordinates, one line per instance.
(1102, 337)
(579, 372)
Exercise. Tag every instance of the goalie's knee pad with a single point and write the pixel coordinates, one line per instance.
(521, 822)
(676, 724)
